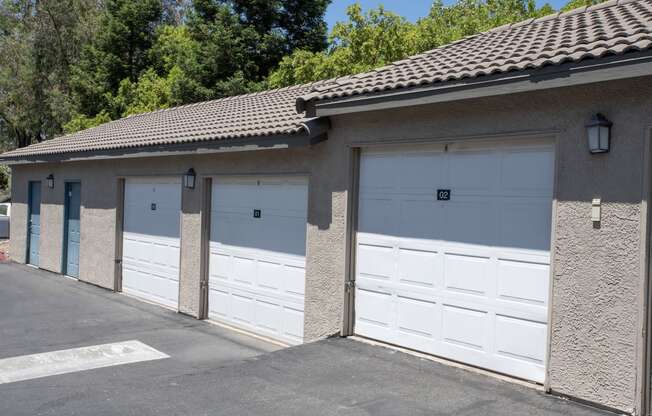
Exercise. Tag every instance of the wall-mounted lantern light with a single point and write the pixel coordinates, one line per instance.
(599, 133)
(50, 180)
(189, 179)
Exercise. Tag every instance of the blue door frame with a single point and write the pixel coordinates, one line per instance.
(71, 234)
(34, 222)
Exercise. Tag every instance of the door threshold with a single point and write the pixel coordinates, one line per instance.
(247, 333)
(451, 363)
(151, 302)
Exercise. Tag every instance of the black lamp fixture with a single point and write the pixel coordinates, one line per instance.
(189, 179)
(50, 179)
(599, 133)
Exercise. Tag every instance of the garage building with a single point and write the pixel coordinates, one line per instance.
(453, 203)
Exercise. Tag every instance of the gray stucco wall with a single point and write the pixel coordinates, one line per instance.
(595, 345)
(99, 200)
(597, 308)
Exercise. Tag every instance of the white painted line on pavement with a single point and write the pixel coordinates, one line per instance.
(27, 367)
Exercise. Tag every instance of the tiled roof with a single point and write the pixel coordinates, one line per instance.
(252, 115)
(610, 28)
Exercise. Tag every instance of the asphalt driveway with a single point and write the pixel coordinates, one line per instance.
(213, 371)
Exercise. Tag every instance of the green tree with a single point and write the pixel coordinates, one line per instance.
(366, 41)
(152, 54)
(38, 42)
(378, 37)
(240, 42)
(120, 50)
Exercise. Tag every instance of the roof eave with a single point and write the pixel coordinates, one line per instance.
(314, 131)
(629, 65)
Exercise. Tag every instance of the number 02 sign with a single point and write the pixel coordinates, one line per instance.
(443, 194)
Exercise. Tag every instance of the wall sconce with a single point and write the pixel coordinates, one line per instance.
(50, 180)
(599, 133)
(189, 179)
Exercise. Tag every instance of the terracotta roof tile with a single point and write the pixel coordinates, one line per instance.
(252, 115)
(613, 27)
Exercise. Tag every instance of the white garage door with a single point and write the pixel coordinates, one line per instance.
(257, 255)
(150, 248)
(464, 278)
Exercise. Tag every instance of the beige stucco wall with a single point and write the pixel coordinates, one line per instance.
(598, 283)
(99, 181)
(595, 345)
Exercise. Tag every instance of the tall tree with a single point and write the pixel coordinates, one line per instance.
(38, 41)
(242, 41)
(127, 30)
(187, 52)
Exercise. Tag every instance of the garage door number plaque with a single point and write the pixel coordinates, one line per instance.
(443, 194)
(256, 213)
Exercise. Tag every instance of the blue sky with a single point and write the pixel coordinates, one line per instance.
(410, 9)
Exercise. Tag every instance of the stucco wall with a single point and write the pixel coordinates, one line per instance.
(99, 181)
(597, 307)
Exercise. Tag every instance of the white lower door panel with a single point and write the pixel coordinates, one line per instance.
(465, 278)
(151, 243)
(257, 255)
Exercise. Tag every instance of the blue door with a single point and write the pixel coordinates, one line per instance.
(73, 207)
(34, 222)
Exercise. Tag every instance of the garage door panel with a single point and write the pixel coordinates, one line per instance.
(469, 221)
(244, 231)
(283, 197)
(379, 178)
(521, 339)
(151, 244)
(293, 324)
(268, 313)
(375, 260)
(257, 264)
(143, 221)
(294, 280)
(525, 282)
(420, 267)
(281, 278)
(418, 317)
(220, 267)
(482, 179)
(416, 219)
(219, 301)
(152, 253)
(465, 327)
(521, 170)
(242, 307)
(377, 216)
(373, 307)
(155, 287)
(467, 278)
(245, 271)
(466, 274)
(532, 215)
(419, 173)
(232, 196)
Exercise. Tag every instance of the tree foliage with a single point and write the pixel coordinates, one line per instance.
(378, 37)
(72, 64)
(38, 43)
